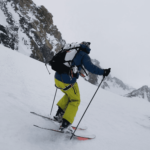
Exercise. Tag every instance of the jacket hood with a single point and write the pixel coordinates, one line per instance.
(85, 48)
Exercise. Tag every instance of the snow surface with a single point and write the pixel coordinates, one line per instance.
(24, 46)
(3, 19)
(52, 40)
(13, 13)
(119, 123)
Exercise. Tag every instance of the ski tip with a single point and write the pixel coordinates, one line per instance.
(86, 138)
(80, 128)
(82, 138)
(35, 125)
(32, 112)
(83, 128)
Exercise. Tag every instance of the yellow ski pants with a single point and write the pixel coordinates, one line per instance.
(70, 101)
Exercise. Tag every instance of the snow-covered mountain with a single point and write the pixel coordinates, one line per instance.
(29, 29)
(119, 123)
(117, 86)
(143, 92)
(110, 83)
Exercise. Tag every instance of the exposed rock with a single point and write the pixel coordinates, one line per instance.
(105, 85)
(7, 38)
(33, 26)
(120, 83)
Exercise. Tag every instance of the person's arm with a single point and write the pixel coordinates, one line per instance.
(93, 68)
(90, 66)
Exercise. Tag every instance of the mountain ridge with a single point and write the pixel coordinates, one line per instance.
(143, 92)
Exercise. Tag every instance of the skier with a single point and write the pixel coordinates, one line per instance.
(68, 104)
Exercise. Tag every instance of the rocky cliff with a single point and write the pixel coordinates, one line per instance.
(29, 29)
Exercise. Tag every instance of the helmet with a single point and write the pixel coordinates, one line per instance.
(86, 43)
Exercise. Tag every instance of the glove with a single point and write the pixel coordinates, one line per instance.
(106, 72)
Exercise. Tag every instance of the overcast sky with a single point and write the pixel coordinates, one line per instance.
(119, 32)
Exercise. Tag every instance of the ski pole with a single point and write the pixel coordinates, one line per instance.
(53, 101)
(47, 68)
(87, 107)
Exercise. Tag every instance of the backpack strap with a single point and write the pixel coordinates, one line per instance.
(76, 48)
(66, 88)
(84, 70)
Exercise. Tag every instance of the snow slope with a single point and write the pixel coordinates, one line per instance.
(119, 123)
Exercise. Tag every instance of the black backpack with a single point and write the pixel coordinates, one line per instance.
(62, 61)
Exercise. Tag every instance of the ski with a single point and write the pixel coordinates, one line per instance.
(78, 137)
(51, 119)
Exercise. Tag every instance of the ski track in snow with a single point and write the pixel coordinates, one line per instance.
(119, 123)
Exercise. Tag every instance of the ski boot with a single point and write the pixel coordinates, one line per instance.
(59, 115)
(66, 127)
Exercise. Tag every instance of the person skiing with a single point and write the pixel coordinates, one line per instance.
(68, 104)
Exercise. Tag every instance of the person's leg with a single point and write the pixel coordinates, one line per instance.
(63, 102)
(74, 101)
(70, 101)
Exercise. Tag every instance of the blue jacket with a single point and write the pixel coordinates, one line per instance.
(82, 58)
